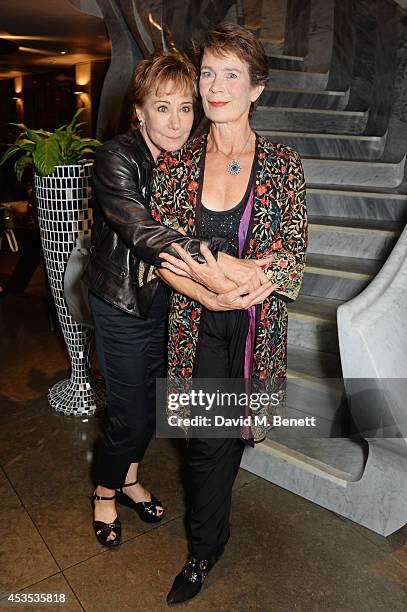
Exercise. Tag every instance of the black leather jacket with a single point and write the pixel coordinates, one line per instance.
(124, 234)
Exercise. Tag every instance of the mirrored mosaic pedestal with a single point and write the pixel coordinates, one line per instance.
(63, 215)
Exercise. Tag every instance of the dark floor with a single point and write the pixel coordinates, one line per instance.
(285, 553)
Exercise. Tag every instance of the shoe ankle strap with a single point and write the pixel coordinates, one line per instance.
(128, 484)
(101, 497)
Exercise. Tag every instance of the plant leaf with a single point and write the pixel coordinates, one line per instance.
(25, 145)
(22, 141)
(46, 156)
(76, 143)
(92, 142)
(21, 164)
(9, 153)
(75, 117)
(22, 126)
(42, 132)
(64, 140)
(32, 134)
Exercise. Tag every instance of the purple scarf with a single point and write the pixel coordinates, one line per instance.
(248, 362)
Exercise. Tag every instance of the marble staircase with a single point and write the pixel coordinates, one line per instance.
(340, 120)
(338, 95)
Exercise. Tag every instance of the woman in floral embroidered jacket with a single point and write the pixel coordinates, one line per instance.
(269, 224)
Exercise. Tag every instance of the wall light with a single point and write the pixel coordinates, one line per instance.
(83, 74)
(18, 84)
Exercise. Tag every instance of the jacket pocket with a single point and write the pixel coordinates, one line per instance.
(114, 268)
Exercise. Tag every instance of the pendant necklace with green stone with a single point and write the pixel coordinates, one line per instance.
(234, 166)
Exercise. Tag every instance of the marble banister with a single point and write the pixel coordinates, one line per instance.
(372, 332)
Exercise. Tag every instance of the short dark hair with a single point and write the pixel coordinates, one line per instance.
(233, 38)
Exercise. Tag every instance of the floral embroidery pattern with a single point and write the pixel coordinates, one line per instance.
(278, 227)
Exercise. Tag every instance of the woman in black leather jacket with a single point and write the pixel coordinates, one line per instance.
(130, 319)
(130, 312)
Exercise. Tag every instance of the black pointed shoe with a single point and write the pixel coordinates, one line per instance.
(189, 581)
(147, 510)
(103, 530)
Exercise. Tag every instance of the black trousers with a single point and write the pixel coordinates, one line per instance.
(132, 353)
(214, 462)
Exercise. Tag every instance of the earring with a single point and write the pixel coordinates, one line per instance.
(141, 122)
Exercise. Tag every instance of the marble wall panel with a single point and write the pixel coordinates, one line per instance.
(343, 45)
(297, 27)
(320, 36)
(376, 23)
(269, 18)
(400, 85)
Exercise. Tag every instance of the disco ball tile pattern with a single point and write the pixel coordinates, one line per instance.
(63, 214)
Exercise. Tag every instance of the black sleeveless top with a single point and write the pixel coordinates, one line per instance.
(225, 224)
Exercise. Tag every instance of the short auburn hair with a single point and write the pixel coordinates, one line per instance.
(158, 70)
(232, 38)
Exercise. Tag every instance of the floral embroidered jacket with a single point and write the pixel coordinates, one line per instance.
(278, 226)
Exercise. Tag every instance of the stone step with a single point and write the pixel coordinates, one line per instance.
(318, 396)
(309, 120)
(314, 382)
(331, 145)
(357, 204)
(337, 278)
(369, 239)
(285, 62)
(298, 79)
(313, 366)
(339, 459)
(354, 173)
(304, 98)
(312, 324)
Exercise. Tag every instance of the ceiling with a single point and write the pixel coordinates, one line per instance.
(44, 28)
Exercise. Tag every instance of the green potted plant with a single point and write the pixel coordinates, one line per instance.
(46, 150)
(62, 179)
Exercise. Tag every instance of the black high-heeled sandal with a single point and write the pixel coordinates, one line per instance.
(147, 510)
(103, 530)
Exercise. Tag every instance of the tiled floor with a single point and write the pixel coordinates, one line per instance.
(285, 553)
